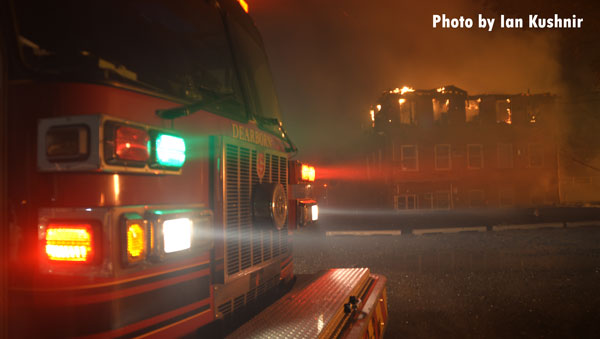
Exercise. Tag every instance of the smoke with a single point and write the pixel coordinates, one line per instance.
(332, 59)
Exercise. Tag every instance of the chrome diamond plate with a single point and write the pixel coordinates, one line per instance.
(311, 310)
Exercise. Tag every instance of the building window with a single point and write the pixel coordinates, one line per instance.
(408, 156)
(507, 197)
(503, 112)
(537, 198)
(405, 202)
(442, 200)
(536, 155)
(442, 157)
(475, 156)
(407, 112)
(426, 201)
(505, 156)
(440, 109)
(472, 110)
(533, 113)
(476, 198)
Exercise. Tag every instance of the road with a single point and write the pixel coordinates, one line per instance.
(408, 220)
(506, 284)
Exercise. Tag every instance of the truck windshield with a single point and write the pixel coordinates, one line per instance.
(256, 70)
(176, 48)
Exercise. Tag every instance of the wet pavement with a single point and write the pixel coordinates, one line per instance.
(542, 283)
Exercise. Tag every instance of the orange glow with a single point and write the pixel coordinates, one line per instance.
(244, 5)
(136, 241)
(372, 112)
(402, 90)
(406, 89)
(308, 173)
(151, 238)
(69, 242)
(348, 172)
(401, 101)
(116, 188)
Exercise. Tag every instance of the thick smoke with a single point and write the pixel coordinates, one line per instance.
(332, 59)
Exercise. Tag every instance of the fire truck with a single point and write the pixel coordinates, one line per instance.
(150, 189)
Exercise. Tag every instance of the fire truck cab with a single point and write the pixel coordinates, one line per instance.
(149, 190)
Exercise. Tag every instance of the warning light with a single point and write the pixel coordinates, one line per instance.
(244, 5)
(136, 242)
(132, 144)
(67, 143)
(69, 242)
(177, 234)
(170, 150)
(308, 173)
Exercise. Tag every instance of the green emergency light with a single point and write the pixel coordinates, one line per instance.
(170, 150)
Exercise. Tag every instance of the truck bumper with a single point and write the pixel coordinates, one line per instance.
(346, 303)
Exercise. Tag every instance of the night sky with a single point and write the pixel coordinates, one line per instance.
(332, 59)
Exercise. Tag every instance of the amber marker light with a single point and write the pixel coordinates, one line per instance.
(308, 173)
(69, 242)
(136, 242)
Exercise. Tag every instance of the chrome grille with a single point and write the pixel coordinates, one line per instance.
(225, 308)
(244, 245)
(253, 295)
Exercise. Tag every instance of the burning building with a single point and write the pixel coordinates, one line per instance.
(445, 149)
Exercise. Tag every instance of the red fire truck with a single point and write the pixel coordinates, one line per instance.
(150, 190)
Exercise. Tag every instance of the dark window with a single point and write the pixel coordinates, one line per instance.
(442, 200)
(536, 155)
(505, 156)
(409, 157)
(405, 202)
(476, 198)
(507, 197)
(442, 157)
(426, 201)
(475, 156)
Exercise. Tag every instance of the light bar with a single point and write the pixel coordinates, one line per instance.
(314, 212)
(132, 143)
(69, 242)
(170, 150)
(308, 173)
(177, 234)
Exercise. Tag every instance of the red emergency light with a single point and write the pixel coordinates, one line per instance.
(132, 143)
(69, 242)
(126, 144)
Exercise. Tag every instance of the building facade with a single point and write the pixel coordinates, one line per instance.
(445, 149)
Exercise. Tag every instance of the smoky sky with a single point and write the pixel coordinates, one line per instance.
(332, 59)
